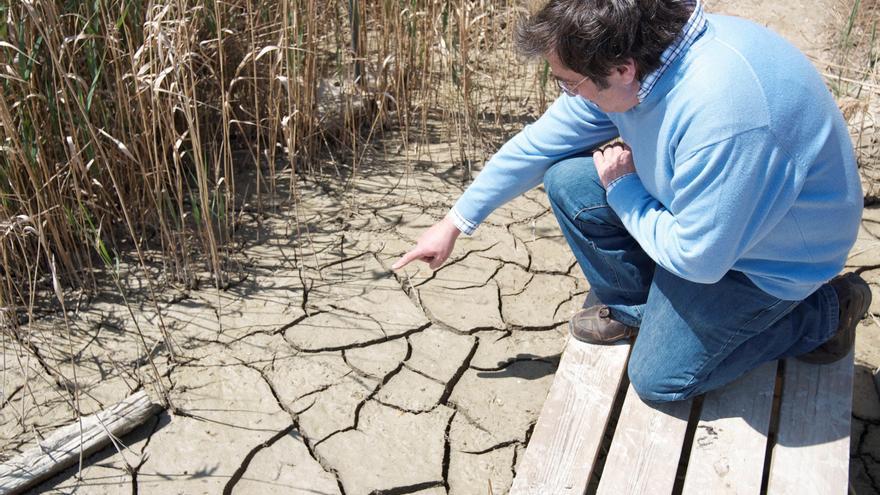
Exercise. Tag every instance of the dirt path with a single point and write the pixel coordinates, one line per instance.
(320, 371)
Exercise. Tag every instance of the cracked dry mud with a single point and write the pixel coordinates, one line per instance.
(320, 371)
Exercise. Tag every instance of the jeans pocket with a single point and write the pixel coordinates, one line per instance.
(599, 221)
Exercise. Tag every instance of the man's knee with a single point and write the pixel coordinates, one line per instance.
(557, 178)
(658, 385)
(573, 184)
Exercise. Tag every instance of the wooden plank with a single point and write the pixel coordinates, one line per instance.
(62, 448)
(566, 439)
(811, 454)
(727, 456)
(646, 447)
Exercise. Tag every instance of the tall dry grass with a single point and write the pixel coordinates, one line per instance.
(853, 75)
(134, 134)
(123, 123)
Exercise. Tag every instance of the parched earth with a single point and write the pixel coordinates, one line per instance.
(318, 370)
(321, 371)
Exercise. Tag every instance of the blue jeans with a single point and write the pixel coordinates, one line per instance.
(693, 337)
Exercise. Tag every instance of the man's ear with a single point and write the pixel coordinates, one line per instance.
(626, 72)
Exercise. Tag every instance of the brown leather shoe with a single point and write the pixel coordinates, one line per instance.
(854, 296)
(595, 326)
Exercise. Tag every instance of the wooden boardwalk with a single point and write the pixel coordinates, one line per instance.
(783, 428)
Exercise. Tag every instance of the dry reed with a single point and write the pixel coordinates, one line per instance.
(852, 74)
(134, 134)
(119, 120)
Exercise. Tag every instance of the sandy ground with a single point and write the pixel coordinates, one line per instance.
(319, 371)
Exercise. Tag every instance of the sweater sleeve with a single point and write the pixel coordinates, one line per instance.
(569, 126)
(726, 197)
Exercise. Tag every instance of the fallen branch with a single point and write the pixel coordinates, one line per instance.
(62, 448)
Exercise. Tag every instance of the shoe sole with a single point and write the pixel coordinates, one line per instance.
(862, 291)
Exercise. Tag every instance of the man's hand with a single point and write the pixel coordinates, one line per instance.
(613, 161)
(433, 247)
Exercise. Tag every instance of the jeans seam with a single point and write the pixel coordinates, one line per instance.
(765, 311)
(593, 244)
(588, 208)
(834, 312)
(726, 344)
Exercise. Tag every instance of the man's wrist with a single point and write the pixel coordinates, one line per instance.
(449, 225)
(463, 225)
(617, 180)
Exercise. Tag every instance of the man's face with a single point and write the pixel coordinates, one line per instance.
(620, 95)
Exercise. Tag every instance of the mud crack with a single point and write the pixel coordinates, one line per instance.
(450, 385)
(359, 345)
(294, 416)
(447, 450)
(403, 490)
(493, 448)
(239, 472)
(357, 410)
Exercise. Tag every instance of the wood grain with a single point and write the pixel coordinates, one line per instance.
(646, 447)
(811, 454)
(727, 455)
(566, 439)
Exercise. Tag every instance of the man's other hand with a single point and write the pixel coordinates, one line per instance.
(613, 161)
(433, 247)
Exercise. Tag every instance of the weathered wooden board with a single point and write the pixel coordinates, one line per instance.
(811, 454)
(646, 447)
(727, 455)
(566, 439)
(61, 449)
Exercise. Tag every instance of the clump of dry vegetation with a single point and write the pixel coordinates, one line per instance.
(853, 75)
(135, 132)
(135, 135)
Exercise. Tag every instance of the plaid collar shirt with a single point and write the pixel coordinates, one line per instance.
(692, 30)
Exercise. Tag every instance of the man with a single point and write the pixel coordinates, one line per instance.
(713, 228)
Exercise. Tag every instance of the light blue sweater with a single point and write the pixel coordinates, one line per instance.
(743, 162)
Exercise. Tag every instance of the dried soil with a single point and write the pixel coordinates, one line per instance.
(321, 371)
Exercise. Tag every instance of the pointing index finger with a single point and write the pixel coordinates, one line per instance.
(406, 258)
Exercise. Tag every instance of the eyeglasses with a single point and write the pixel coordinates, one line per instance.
(565, 89)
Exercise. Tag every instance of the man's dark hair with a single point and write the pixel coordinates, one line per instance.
(591, 37)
